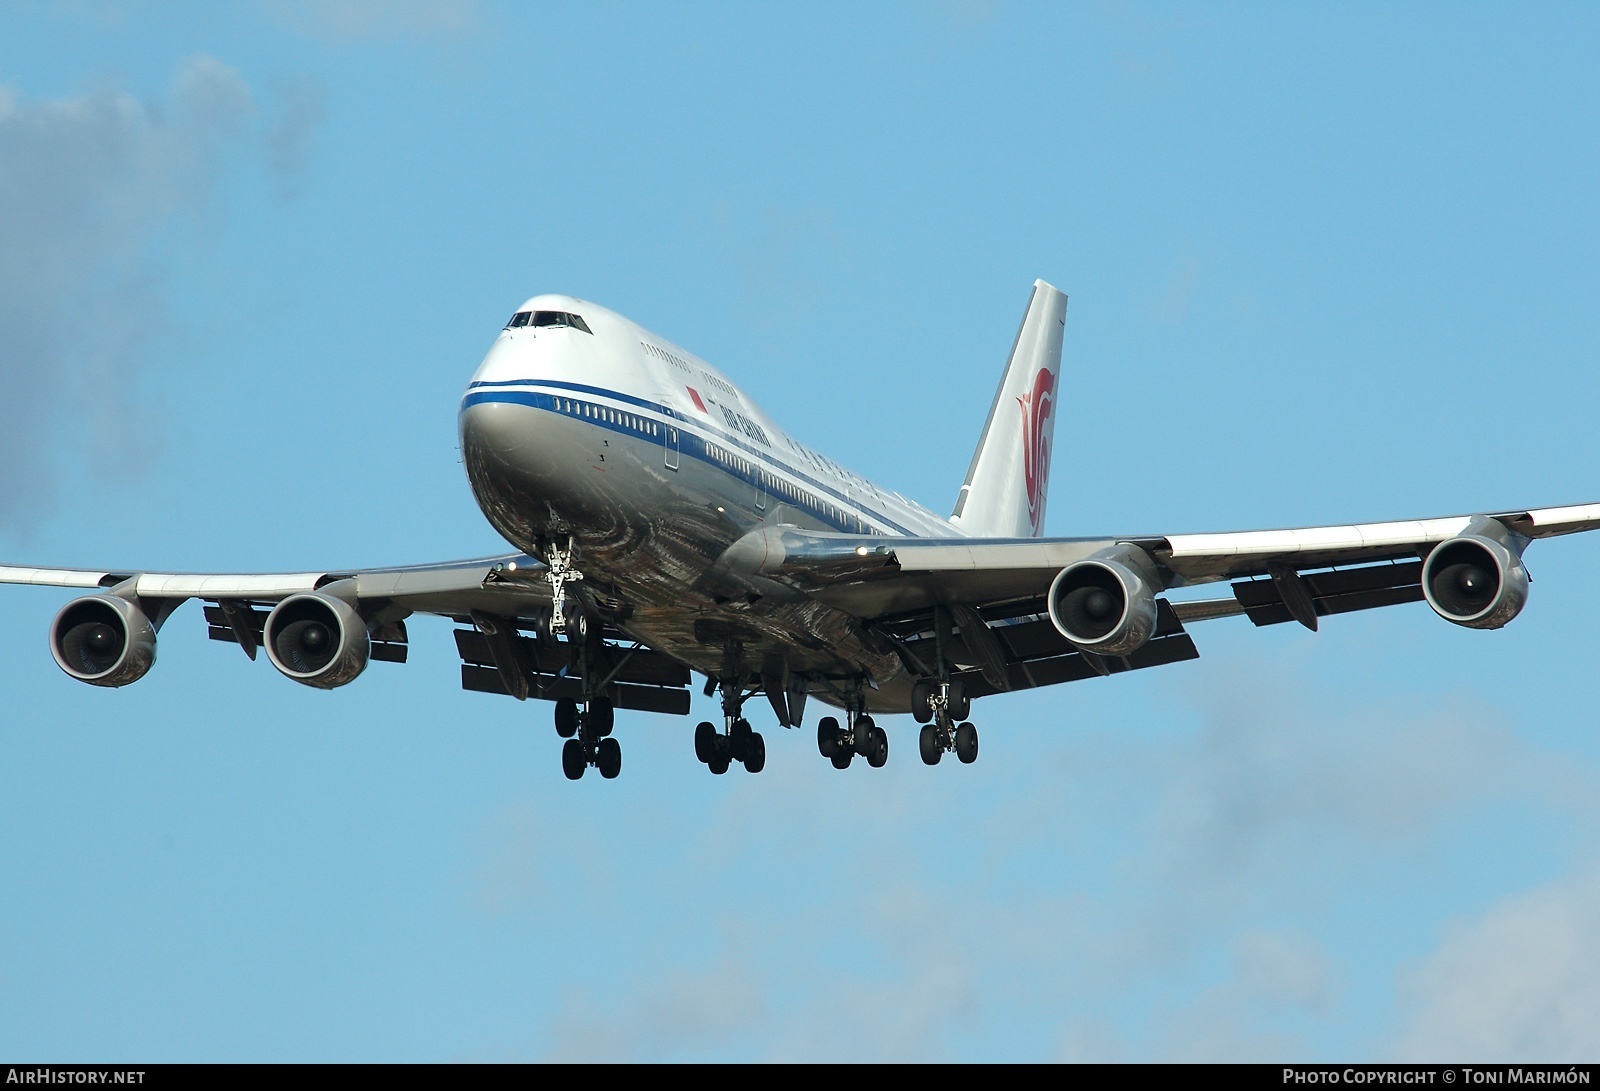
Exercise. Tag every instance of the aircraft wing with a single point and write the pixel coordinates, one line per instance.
(512, 585)
(993, 592)
(496, 601)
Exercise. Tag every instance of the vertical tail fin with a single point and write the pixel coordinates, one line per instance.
(1004, 494)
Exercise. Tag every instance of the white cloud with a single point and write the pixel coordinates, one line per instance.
(1174, 892)
(1520, 983)
(88, 185)
(84, 185)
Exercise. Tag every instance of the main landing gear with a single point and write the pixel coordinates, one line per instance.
(588, 735)
(943, 708)
(840, 745)
(718, 750)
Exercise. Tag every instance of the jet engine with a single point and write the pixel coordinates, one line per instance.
(317, 640)
(1105, 604)
(1475, 581)
(103, 640)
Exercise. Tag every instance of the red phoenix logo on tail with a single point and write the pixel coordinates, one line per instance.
(1036, 409)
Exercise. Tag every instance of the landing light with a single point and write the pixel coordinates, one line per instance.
(862, 551)
(512, 567)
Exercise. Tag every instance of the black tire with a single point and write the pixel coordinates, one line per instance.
(572, 762)
(705, 741)
(718, 763)
(577, 625)
(827, 736)
(541, 627)
(609, 758)
(967, 744)
(566, 717)
(921, 696)
(841, 757)
(960, 703)
(755, 753)
(878, 756)
(739, 739)
(864, 729)
(928, 743)
(602, 716)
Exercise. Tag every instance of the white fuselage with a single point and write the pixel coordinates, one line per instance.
(653, 463)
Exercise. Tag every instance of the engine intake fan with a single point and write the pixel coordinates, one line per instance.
(1475, 581)
(317, 640)
(1105, 604)
(103, 640)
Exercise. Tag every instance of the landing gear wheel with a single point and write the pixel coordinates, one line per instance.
(602, 716)
(960, 704)
(572, 762)
(705, 742)
(541, 627)
(739, 739)
(878, 748)
(827, 736)
(609, 758)
(577, 624)
(755, 753)
(865, 743)
(841, 757)
(931, 746)
(566, 717)
(921, 702)
(720, 760)
(967, 744)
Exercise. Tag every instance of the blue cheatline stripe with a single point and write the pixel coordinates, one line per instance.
(597, 391)
(732, 439)
(689, 444)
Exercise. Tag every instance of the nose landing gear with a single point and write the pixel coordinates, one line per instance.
(587, 731)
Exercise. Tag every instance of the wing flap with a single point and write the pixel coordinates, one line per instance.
(1334, 592)
(1075, 667)
(670, 702)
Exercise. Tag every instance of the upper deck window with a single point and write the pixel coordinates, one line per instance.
(560, 318)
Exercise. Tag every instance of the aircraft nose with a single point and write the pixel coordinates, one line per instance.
(511, 439)
(495, 426)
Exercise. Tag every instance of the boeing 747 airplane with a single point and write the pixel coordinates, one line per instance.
(666, 526)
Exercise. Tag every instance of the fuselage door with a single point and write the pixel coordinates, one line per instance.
(670, 445)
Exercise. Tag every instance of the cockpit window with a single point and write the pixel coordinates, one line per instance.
(549, 318)
(560, 318)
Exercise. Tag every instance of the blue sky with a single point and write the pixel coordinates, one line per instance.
(1324, 265)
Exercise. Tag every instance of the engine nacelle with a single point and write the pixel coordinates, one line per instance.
(1475, 581)
(103, 640)
(317, 640)
(1105, 604)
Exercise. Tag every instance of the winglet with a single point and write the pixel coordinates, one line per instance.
(1004, 494)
